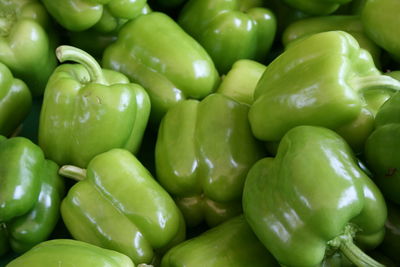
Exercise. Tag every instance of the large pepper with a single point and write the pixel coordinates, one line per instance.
(382, 149)
(350, 24)
(312, 199)
(316, 7)
(67, 252)
(381, 23)
(218, 25)
(88, 110)
(118, 205)
(30, 194)
(105, 15)
(324, 80)
(155, 52)
(203, 152)
(232, 243)
(15, 101)
(25, 45)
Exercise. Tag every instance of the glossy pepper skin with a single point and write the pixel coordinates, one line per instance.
(348, 23)
(65, 252)
(218, 25)
(241, 80)
(104, 15)
(88, 110)
(118, 205)
(155, 52)
(324, 80)
(25, 44)
(232, 243)
(15, 101)
(380, 20)
(382, 149)
(203, 152)
(30, 194)
(312, 199)
(316, 7)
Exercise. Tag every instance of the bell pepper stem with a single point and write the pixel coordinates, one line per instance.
(70, 53)
(345, 244)
(356, 255)
(375, 82)
(73, 172)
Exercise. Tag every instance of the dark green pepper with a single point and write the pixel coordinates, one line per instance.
(25, 44)
(321, 80)
(218, 25)
(155, 52)
(15, 101)
(118, 205)
(203, 152)
(66, 252)
(88, 110)
(382, 149)
(232, 243)
(313, 200)
(104, 15)
(30, 194)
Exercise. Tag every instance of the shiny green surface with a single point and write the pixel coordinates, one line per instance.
(79, 15)
(316, 7)
(155, 52)
(241, 80)
(30, 192)
(311, 197)
(120, 206)
(87, 110)
(25, 46)
(320, 80)
(391, 243)
(347, 23)
(218, 25)
(203, 152)
(382, 149)
(70, 253)
(15, 101)
(232, 243)
(381, 23)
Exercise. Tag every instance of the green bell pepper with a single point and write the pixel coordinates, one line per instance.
(350, 24)
(232, 243)
(155, 52)
(67, 252)
(316, 7)
(118, 205)
(88, 110)
(382, 149)
(203, 152)
(241, 80)
(321, 80)
(30, 194)
(381, 23)
(312, 200)
(218, 25)
(15, 101)
(25, 45)
(104, 15)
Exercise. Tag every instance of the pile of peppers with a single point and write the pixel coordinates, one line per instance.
(199, 133)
